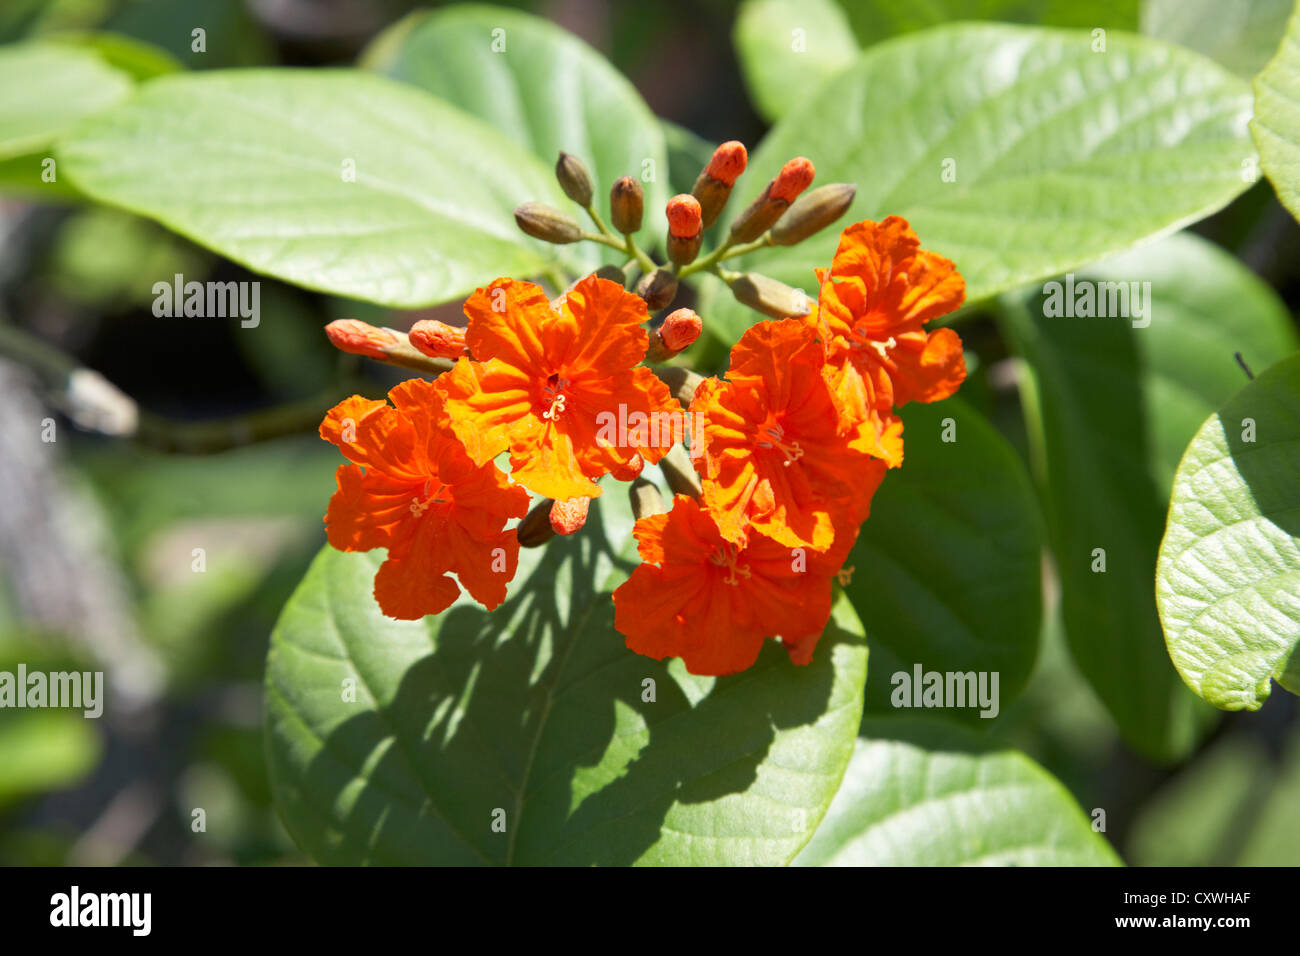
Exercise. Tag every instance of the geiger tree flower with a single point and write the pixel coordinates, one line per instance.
(779, 453)
(412, 489)
(790, 446)
(540, 377)
(712, 602)
(874, 301)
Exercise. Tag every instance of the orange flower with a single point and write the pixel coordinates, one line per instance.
(712, 603)
(881, 289)
(777, 452)
(547, 385)
(413, 490)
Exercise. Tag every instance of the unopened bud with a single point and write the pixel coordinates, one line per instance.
(535, 530)
(772, 203)
(677, 332)
(612, 273)
(767, 295)
(630, 471)
(574, 179)
(813, 212)
(438, 339)
(626, 204)
(794, 177)
(568, 515)
(360, 338)
(646, 499)
(679, 471)
(713, 186)
(659, 288)
(547, 223)
(385, 345)
(684, 251)
(683, 216)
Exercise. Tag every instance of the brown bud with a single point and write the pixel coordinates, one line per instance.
(573, 178)
(813, 212)
(626, 204)
(535, 529)
(683, 251)
(612, 273)
(767, 295)
(547, 223)
(659, 288)
(679, 471)
(646, 499)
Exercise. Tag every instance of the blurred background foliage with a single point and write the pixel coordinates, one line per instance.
(122, 521)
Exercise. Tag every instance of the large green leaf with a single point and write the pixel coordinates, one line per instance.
(46, 88)
(1276, 126)
(255, 165)
(787, 47)
(537, 710)
(542, 87)
(1118, 404)
(1061, 155)
(919, 793)
(947, 571)
(1242, 36)
(1228, 581)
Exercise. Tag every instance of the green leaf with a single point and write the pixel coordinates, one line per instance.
(542, 87)
(787, 47)
(1228, 581)
(1117, 406)
(1061, 155)
(43, 750)
(256, 165)
(919, 793)
(46, 88)
(947, 570)
(1276, 126)
(139, 60)
(876, 20)
(538, 710)
(1241, 36)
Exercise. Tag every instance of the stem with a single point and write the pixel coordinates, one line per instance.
(628, 247)
(725, 251)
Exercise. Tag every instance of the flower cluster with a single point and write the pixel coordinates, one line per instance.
(789, 447)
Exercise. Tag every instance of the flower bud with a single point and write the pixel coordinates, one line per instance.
(626, 204)
(659, 288)
(775, 199)
(573, 178)
(767, 295)
(359, 338)
(629, 472)
(713, 187)
(438, 339)
(683, 216)
(646, 499)
(547, 223)
(677, 332)
(794, 177)
(679, 471)
(813, 212)
(384, 345)
(685, 232)
(535, 529)
(612, 273)
(568, 515)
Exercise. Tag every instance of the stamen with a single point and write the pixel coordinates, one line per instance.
(725, 557)
(554, 393)
(792, 451)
